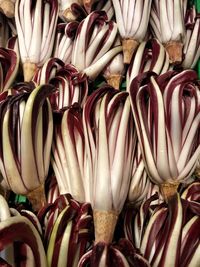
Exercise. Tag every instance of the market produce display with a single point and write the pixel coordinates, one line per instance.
(99, 133)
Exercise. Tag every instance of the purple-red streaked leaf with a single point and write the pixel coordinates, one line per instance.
(47, 71)
(19, 228)
(110, 142)
(9, 63)
(12, 124)
(72, 87)
(166, 113)
(64, 41)
(150, 56)
(97, 38)
(192, 192)
(191, 47)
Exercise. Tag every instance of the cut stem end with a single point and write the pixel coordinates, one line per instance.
(8, 8)
(175, 51)
(29, 70)
(68, 15)
(168, 190)
(104, 224)
(129, 47)
(37, 197)
(114, 80)
(88, 5)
